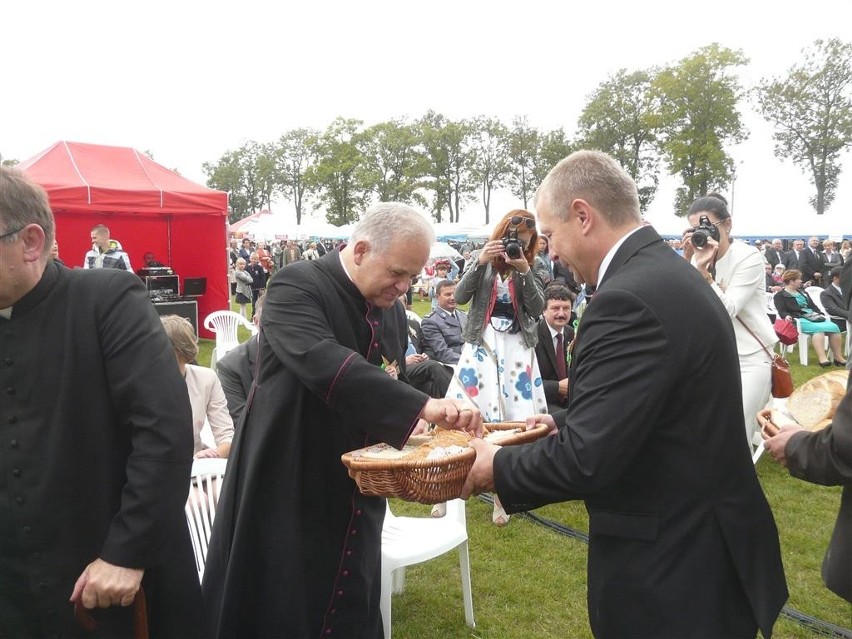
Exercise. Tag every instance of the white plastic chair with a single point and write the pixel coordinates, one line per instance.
(412, 540)
(225, 325)
(200, 509)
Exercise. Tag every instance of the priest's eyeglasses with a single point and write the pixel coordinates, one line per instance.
(517, 220)
(11, 233)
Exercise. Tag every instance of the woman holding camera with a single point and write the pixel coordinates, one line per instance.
(735, 271)
(497, 369)
(792, 303)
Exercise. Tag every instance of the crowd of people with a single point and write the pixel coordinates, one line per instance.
(579, 317)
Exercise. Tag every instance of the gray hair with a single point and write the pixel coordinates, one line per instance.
(387, 223)
(24, 202)
(596, 178)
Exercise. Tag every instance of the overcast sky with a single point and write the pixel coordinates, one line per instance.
(191, 80)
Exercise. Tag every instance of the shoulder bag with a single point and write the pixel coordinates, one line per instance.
(782, 381)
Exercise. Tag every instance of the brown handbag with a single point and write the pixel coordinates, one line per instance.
(782, 380)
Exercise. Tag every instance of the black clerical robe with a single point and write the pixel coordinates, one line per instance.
(296, 548)
(95, 456)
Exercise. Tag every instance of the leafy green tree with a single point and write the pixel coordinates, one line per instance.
(619, 119)
(524, 144)
(294, 155)
(553, 147)
(334, 177)
(393, 163)
(9, 162)
(811, 109)
(450, 159)
(698, 117)
(490, 159)
(227, 175)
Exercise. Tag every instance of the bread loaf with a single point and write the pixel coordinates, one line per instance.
(814, 402)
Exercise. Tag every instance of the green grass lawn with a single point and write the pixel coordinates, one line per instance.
(530, 582)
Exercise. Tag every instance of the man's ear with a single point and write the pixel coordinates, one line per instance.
(34, 239)
(585, 215)
(361, 248)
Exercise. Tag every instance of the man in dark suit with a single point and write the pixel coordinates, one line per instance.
(442, 328)
(773, 253)
(236, 370)
(824, 457)
(804, 260)
(832, 299)
(551, 352)
(682, 542)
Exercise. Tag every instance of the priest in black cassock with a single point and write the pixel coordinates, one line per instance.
(96, 437)
(296, 548)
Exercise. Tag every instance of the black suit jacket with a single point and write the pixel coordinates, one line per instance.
(807, 262)
(772, 256)
(832, 300)
(545, 354)
(676, 513)
(236, 373)
(825, 457)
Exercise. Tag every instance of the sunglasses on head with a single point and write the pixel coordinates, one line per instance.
(517, 219)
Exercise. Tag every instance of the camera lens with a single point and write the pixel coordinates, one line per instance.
(699, 238)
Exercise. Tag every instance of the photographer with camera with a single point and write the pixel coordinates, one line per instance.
(735, 271)
(497, 369)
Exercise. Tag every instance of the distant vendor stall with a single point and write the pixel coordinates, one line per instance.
(148, 209)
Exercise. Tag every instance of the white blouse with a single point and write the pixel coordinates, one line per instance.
(208, 405)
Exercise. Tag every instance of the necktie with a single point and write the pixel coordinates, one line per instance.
(561, 373)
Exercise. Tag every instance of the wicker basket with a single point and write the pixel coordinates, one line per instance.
(427, 481)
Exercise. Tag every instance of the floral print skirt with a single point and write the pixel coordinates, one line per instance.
(501, 377)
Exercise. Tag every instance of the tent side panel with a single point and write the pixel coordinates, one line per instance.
(200, 249)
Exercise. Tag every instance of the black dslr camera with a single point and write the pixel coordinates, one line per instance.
(705, 230)
(511, 244)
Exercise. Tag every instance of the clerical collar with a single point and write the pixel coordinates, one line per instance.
(345, 270)
(6, 313)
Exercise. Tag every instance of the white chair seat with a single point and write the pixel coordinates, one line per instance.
(412, 540)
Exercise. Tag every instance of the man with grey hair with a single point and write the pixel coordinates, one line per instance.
(296, 548)
(682, 542)
(97, 447)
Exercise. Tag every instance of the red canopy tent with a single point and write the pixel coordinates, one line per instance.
(147, 207)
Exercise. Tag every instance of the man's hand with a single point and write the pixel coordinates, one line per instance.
(777, 445)
(563, 388)
(480, 479)
(534, 420)
(454, 414)
(103, 585)
(410, 360)
(207, 452)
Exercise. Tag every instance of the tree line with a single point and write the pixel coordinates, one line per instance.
(679, 118)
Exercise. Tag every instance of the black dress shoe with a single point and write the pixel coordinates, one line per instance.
(825, 364)
(841, 364)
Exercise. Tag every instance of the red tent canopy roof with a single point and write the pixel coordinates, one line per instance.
(89, 177)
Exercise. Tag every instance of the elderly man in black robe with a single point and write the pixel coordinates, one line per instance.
(95, 443)
(296, 548)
